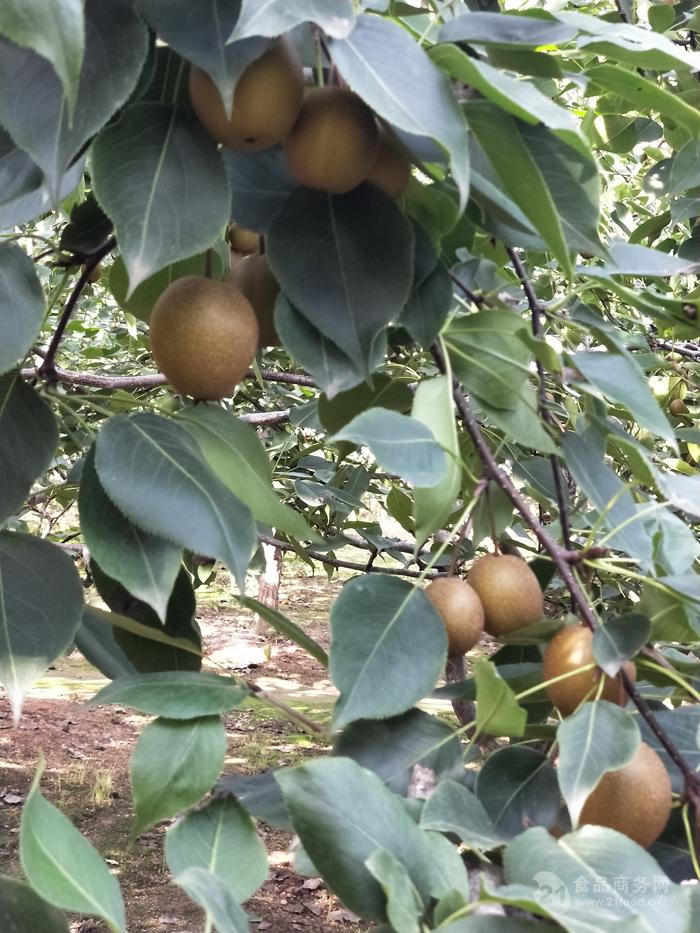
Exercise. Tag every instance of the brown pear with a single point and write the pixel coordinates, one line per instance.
(252, 275)
(204, 335)
(266, 100)
(509, 592)
(634, 800)
(242, 240)
(572, 647)
(460, 610)
(391, 171)
(333, 144)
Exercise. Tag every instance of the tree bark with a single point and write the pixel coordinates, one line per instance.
(269, 584)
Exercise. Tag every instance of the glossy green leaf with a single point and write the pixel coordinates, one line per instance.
(23, 910)
(586, 867)
(401, 444)
(174, 694)
(502, 140)
(452, 808)
(390, 72)
(384, 392)
(235, 454)
(620, 639)
(620, 378)
(274, 17)
(518, 788)
(489, 357)
(599, 737)
(404, 905)
(434, 407)
(154, 473)
(345, 262)
(41, 605)
(62, 866)
(288, 629)
(220, 838)
(163, 183)
(322, 797)
(260, 184)
(144, 564)
(497, 710)
(375, 621)
(510, 28)
(56, 33)
(211, 894)
(21, 304)
(332, 370)
(34, 107)
(393, 747)
(174, 764)
(28, 438)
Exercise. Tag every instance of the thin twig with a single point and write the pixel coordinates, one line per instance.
(147, 381)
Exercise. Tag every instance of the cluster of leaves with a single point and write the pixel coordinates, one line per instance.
(538, 138)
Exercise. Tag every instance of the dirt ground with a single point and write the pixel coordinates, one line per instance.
(87, 751)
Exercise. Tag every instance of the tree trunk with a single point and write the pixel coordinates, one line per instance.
(269, 584)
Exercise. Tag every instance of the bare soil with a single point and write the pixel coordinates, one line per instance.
(87, 751)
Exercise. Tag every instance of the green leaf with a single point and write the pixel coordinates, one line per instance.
(497, 710)
(212, 895)
(433, 406)
(452, 808)
(161, 179)
(521, 424)
(143, 563)
(620, 378)
(646, 94)
(502, 140)
(153, 472)
(22, 304)
(620, 639)
(175, 694)
(62, 866)
(285, 627)
(41, 605)
(332, 370)
(390, 71)
(95, 641)
(489, 357)
(401, 444)
(404, 905)
(198, 30)
(428, 306)
(393, 747)
(221, 839)
(388, 647)
(322, 797)
(518, 788)
(508, 28)
(140, 302)
(28, 438)
(260, 184)
(385, 392)
(634, 259)
(88, 229)
(56, 33)
(520, 98)
(174, 764)
(260, 794)
(599, 737)
(274, 17)
(23, 909)
(568, 879)
(486, 924)
(34, 108)
(682, 725)
(345, 262)
(235, 454)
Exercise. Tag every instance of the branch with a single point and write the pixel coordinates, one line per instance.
(347, 564)
(148, 381)
(536, 311)
(47, 370)
(684, 348)
(561, 560)
(467, 292)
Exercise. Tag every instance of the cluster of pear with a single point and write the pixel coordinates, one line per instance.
(501, 596)
(204, 334)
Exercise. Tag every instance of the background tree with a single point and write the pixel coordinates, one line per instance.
(477, 238)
